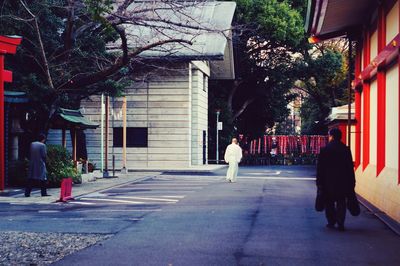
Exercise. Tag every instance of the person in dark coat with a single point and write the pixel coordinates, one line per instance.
(335, 178)
(37, 166)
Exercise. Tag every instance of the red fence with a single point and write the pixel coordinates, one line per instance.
(287, 145)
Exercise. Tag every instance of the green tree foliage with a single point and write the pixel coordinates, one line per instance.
(71, 43)
(59, 165)
(266, 38)
(65, 54)
(323, 77)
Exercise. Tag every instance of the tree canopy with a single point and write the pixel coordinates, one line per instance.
(66, 53)
(323, 77)
(267, 37)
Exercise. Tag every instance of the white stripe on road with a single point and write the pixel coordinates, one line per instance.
(48, 211)
(102, 219)
(173, 197)
(278, 178)
(137, 189)
(135, 210)
(114, 200)
(165, 186)
(81, 203)
(146, 198)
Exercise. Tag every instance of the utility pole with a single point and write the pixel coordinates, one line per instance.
(124, 170)
(217, 139)
(102, 133)
(107, 106)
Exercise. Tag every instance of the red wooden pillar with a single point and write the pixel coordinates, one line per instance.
(2, 146)
(357, 155)
(398, 104)
(366, 96)
(8, 45)
(343, 128)
(381, 101)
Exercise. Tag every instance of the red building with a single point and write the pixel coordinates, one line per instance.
(374, 28)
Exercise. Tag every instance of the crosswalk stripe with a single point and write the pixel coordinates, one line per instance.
(81, 203)
(114, 200)
(155, 188)
(146, 198)
(112, 210)
(173, 197)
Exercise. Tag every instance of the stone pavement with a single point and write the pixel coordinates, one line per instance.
(16, 195)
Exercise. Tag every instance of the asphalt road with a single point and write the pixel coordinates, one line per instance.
(266, 218)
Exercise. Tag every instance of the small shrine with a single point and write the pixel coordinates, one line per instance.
(73, 120)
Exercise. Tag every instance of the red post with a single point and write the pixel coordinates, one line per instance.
(358, 130)
(357, 155)
(8, 45)
(2, 146)
(366, 94)
(381, 101)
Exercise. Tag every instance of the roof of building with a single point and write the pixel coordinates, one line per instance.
(202, 23)
(207, 25)
(68, 118)
(341, 113)
(333, 18)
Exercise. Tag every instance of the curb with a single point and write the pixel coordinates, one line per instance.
(382, 216)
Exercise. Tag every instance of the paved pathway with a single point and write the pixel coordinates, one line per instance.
(266, 218)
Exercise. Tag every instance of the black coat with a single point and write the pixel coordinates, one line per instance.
(335, 170)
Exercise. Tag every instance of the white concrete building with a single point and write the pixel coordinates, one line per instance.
(167, 106)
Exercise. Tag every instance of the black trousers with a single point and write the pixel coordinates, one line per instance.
(31, 183)
(335, 210)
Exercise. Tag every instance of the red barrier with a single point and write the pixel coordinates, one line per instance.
(66, 190)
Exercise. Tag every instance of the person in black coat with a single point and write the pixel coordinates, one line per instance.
(335, 178)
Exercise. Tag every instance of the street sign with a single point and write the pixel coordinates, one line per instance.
(219, 125)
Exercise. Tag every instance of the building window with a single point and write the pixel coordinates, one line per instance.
(205, 82)
(136, 137)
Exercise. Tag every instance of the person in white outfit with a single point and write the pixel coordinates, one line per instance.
(233, 155)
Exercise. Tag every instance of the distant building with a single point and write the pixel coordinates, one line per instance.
(167, 105)
(294, 107)
(292, 124)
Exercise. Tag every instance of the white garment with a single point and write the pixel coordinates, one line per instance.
(233, 155)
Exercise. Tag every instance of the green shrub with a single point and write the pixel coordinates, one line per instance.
(59, 165)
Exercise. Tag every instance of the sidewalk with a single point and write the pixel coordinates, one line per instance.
(15, 195)
(200, 169)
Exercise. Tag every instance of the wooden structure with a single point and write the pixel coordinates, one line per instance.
(72, 120)
(8, 45)
(374, 28)
(339, 119)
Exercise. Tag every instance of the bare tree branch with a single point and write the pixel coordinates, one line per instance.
(70, 25)
(243, 108)
(82, 80)
(42, 51)
(235, 87)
